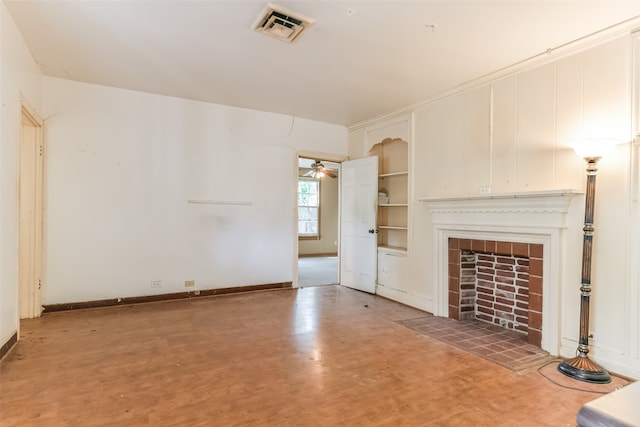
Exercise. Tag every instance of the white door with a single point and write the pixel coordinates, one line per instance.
(358, 234)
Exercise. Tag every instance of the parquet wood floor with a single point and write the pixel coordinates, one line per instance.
(321, 356)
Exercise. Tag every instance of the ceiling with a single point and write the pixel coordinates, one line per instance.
(359, 60)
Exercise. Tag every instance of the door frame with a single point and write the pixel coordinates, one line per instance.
(312, 155)
(30, 206)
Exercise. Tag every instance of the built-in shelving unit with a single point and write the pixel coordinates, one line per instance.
(393, 209)
(393, 176)
(390, 140)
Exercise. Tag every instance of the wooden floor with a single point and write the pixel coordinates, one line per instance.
(317, 356)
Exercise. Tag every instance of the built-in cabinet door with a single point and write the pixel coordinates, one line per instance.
(392, 269)
(358, 240)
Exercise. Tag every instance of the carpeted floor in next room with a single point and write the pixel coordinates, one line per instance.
(317, 271)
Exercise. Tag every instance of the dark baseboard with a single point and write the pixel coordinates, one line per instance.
(6, 347)
(163, 297)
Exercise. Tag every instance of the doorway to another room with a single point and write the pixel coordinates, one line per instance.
(318, 219)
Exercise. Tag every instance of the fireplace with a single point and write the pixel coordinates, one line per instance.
(518, 233)
(497, 282)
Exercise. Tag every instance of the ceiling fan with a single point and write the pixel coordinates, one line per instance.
(318, 171)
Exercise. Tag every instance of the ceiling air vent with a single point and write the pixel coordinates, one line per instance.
(283, 24)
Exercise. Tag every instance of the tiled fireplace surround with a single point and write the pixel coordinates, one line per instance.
(518, 225)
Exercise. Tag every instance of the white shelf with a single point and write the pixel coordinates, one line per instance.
(384, 175)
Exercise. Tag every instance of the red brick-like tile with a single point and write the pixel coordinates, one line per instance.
(535, 320)
(535, 285)
(535, 266)
(503, 248)
(477, 245)
(534, 337)
(465, 244)
(535, 302)
(454, 256)
(520, 249)
(454, 298)
(453, 312)
(535, 251)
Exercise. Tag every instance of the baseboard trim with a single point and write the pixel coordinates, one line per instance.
(163, 297)
(6, 347)
(329, 254)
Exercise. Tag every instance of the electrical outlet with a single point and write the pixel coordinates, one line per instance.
(593, 336)
(503, 323)
(155, 284)
(485, 190)
(189, 283)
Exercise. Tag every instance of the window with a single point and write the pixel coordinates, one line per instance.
(308, 208)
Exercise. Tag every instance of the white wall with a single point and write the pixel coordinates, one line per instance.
(20, 79)
(121, 166)
(513, 135)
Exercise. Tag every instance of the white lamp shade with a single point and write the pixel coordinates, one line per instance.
(594, 147)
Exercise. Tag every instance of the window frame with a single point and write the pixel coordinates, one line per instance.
(307, 236)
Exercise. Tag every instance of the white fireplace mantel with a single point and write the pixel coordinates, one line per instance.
(538, 217)
(539, 208)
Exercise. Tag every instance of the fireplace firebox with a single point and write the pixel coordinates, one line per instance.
(497, 282)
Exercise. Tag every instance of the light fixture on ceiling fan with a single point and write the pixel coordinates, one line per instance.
(318, 171)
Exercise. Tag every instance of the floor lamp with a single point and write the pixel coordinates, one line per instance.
(581, 367)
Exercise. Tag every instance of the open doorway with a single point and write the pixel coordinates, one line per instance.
(318, 222)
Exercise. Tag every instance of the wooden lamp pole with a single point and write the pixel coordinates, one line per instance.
(581, 367)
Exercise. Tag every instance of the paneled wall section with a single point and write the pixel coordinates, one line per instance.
(514, 135)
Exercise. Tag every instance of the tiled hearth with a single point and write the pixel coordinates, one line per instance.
(491, 342)
(497, 282)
